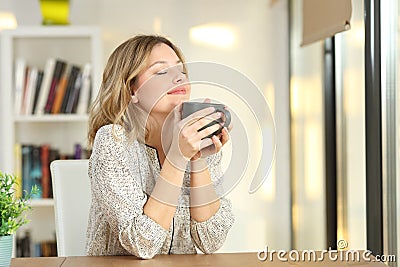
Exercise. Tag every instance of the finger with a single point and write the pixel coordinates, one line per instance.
(205, 143)
(220, 135)
(225, 136)
(198, 115)
(206, 120)
(230, 127)
(217, 143)
(207, 100)
(207, 131)
(196, 156)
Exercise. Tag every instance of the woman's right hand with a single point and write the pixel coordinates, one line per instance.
(186, 139)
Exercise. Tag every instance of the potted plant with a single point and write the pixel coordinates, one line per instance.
(12, 214)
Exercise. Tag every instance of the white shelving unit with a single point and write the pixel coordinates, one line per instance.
(46, 202)
(50, 118)
(75, 44)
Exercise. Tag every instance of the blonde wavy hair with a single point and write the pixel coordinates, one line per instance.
(120, 74)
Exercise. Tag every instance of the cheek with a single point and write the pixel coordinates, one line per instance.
(189, 88)
(151, 92)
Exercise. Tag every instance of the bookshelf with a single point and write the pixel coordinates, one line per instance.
(77, 45)
(51, 118)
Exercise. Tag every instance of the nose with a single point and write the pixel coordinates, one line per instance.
(179, 77)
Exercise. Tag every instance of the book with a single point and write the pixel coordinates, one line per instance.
(54, 154)
(35, 165)
(26, 151)
(75, 70)
(85, 93)
(58, 71)
(45, 86)
(39, 80)
(25, 91)
(18, 169)
(45, 150)
(36, 171)
(48, 248)
(37, 251)
(30, 90)
(74, 98)
(78, 151)
(19, 81)
(24, 243)
(61, 88)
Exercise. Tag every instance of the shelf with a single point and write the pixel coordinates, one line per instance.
(43, 202)
(54, 31)
(52, 118)
(77, 45)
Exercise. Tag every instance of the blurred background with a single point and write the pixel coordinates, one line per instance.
(263, 40)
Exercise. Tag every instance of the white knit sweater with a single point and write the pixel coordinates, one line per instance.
(122, 175)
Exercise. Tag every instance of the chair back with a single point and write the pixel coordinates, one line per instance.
(71, 193)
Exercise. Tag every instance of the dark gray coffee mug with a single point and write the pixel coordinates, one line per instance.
(191, 107)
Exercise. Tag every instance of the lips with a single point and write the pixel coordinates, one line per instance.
(177, 91)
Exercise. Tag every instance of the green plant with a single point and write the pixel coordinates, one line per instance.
(12, 210)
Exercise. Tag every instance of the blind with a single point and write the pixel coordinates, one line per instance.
(324, 18)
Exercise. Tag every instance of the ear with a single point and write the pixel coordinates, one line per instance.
(135, 99)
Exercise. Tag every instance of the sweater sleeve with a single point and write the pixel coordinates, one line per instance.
(116, 187)
(210, 235)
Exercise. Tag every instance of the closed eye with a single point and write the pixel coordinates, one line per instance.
(161, 72)
(165, 72)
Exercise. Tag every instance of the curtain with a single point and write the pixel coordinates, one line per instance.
(324, 18)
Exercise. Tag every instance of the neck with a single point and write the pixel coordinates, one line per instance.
(155, 124)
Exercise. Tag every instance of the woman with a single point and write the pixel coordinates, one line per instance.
(145, 158)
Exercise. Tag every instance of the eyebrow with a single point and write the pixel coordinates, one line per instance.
(163, 62)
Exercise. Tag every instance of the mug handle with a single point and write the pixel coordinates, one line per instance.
(227, 116)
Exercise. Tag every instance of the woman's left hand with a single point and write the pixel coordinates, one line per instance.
(213, 145)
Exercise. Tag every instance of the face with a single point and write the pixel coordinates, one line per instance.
(162, 85)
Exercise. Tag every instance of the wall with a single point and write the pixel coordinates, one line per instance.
(307, 120)
(352, 225)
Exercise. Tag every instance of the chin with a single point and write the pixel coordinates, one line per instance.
(166, 105)
(176, 99)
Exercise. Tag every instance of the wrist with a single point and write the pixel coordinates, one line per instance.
(198, 165)
(177, 160)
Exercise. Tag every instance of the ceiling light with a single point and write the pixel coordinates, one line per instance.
(7, 21)
(213, 34)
